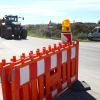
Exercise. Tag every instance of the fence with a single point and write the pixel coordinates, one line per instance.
(40, 76)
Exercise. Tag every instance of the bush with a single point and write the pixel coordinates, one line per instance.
(80, 30)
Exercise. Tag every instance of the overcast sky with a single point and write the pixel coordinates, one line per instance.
(41, 11)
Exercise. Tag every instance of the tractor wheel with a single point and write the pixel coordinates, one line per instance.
(8, 36)
(16, 36)
(23, 34)
(3, 35)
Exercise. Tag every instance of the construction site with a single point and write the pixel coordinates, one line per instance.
(50, 50)
(46, 70)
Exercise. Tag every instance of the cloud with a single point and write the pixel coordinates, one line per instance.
(52, 8)
(87, 4)
(31, 9)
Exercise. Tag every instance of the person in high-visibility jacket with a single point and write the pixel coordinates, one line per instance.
(66, 27)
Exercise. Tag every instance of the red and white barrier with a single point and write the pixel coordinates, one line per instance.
(40, 76)
(66, 37)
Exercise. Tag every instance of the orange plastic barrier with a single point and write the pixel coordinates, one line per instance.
(40, 76)
(74, 62)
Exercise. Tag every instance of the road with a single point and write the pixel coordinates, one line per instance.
(89, 62)
(89, 66)
(9, 48)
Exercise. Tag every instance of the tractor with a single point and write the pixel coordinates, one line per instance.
(10, 28)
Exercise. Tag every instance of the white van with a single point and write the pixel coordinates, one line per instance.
(95, 34)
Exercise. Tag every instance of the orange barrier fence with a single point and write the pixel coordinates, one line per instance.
(40, 76)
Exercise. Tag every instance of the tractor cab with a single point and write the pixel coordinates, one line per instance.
(9, 19)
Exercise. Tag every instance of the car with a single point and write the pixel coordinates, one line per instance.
(94, 34)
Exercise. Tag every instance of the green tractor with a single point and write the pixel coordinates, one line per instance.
(10, 28)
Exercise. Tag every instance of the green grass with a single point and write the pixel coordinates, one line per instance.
(35, 33)
(42, 34)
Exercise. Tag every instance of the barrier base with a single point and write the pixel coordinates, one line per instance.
(81, 86)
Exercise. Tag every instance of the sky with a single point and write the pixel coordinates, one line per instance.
(42, 11)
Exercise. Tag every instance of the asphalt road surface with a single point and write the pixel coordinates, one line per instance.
(9, 48)
(89, 66)
(89, 63)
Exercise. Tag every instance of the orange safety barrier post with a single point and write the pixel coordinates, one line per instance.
(6, 89)
(65, 65)
(40, 76)
(77, 57)
(74, 61)
(53, 72)
(40, 70)
(0, 71)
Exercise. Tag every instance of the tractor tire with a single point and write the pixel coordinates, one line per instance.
(23, 34)
(8, 36)
(2, 35)
(16, 37)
